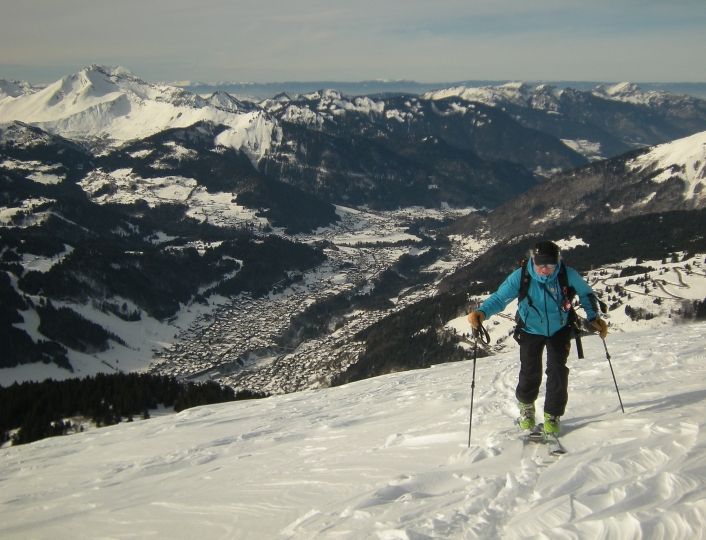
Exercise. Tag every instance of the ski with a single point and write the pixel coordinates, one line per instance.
(555, 448)
(538, 435)
(535, 434)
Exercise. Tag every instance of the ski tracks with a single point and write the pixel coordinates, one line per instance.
(458, 500)
(638, 475)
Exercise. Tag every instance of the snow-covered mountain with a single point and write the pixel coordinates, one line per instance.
(535, 96)
(15, 88)
(684, 159)
(517, 93)
(102, 107)
(389, 458)
(176, 197)
(666, 177)
(632, 93)
(603, 122)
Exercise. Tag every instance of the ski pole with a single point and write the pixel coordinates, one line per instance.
(482, 334)
(607, 355)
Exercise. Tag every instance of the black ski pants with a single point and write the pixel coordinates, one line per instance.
(531, 351)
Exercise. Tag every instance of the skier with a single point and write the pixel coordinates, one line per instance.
(544, 291)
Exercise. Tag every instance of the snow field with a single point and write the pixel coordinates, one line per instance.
(388, 458)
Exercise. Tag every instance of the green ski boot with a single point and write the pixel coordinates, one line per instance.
(552, 425)
(526, 419)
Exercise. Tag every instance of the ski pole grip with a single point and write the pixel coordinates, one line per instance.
(481, 334)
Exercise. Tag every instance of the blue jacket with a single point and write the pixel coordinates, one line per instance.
(545, 316)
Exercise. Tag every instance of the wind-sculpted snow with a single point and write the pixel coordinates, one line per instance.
(388, 458)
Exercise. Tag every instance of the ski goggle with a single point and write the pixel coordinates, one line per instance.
(550, 266)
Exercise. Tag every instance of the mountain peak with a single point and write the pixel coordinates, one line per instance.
(517, 93)
(622, 89)
(112, 71)
(12, 88)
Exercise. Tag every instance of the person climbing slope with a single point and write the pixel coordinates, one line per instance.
(545, 288)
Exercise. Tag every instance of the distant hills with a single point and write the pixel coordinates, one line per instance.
(381, 87)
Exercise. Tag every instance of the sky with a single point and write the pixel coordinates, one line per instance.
(355, 40)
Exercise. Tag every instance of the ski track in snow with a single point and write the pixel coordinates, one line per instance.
(387, 458)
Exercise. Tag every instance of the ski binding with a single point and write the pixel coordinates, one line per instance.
(538, 435)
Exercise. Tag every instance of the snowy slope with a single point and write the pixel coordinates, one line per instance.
(14, 88)
(684, 159)
(388, 458)
(516, 92)
(111, 105)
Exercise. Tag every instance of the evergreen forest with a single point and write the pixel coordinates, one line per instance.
(35, 410)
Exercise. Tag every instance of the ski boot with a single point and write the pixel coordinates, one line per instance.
(526, 419)
(552, 425)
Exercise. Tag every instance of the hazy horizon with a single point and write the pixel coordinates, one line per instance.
(332, 40)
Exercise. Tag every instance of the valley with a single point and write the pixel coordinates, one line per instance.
(302, 240)
(241, 342)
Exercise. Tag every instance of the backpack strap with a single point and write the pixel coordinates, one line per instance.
(567, 296)
(525, 280)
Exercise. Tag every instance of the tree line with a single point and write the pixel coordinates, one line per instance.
(36, 410)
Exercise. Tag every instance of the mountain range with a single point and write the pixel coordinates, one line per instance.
(464, 146)
(381, 87)
(134, 204)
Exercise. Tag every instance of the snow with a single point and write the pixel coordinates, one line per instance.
(113, 106)
(39, 263)
(516, 93)
(588, 149)
(144, 338)
(684, 158)
(27, 205)
(570, 243)
(630, 93)
(38, 172)
(14, 89)
(124, 186)
(389, 458)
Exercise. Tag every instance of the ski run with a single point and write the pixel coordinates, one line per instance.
(388, 458)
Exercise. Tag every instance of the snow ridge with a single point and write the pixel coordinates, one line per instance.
(544, 96)
(684, 159)
(100, 105)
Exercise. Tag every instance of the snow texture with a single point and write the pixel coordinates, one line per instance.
(389, 458)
